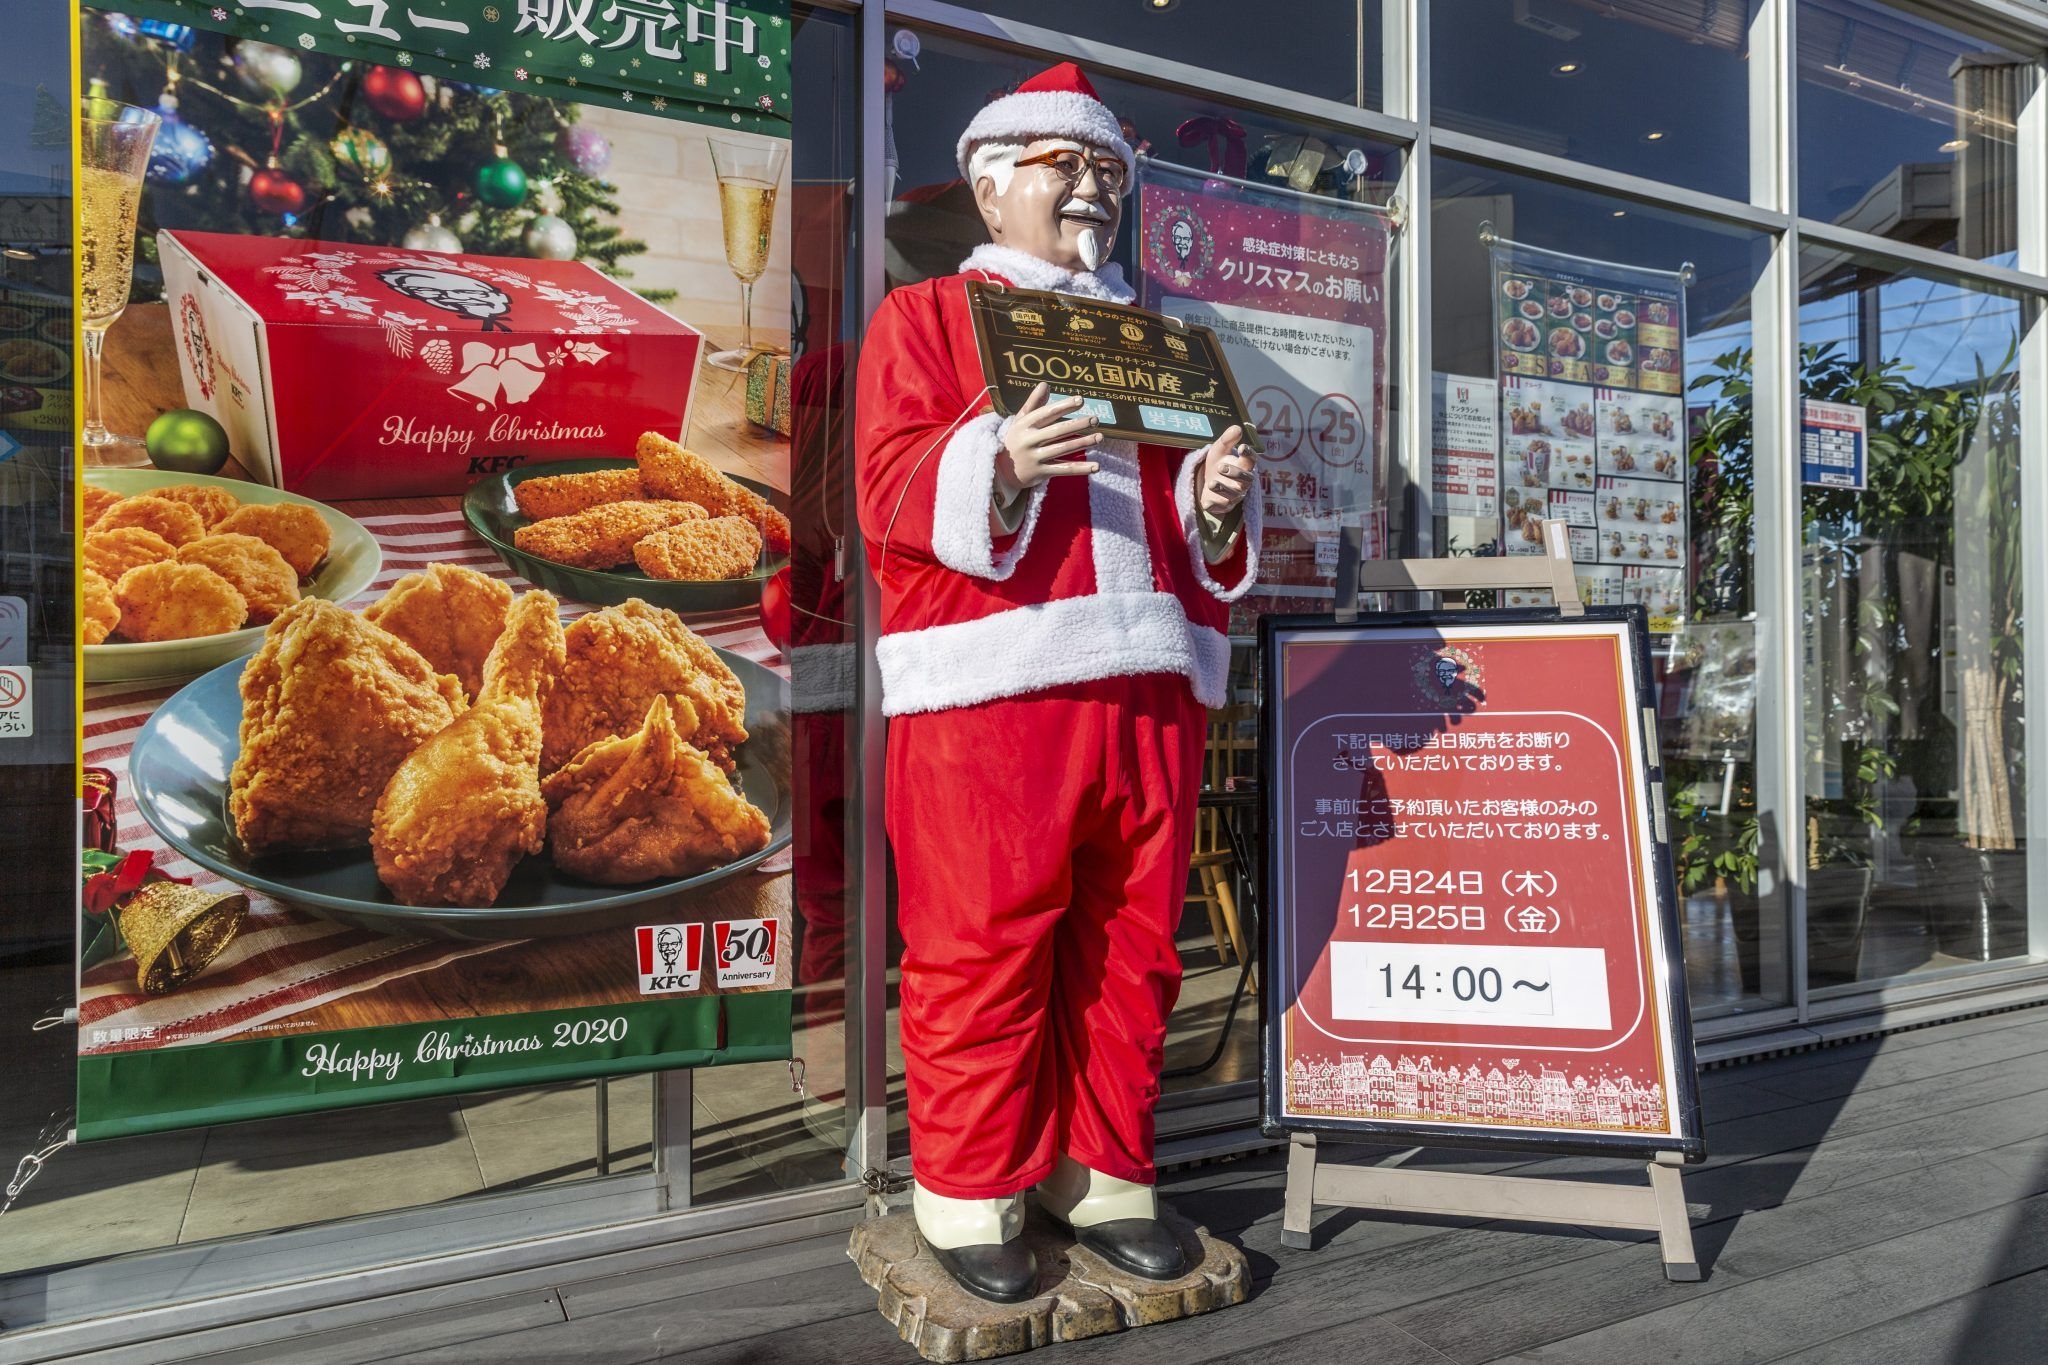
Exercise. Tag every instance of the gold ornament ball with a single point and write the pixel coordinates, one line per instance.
(186, 441)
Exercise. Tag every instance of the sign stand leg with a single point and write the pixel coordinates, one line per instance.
(1658, 1208)
(1300, 1204)
(1674, 1228)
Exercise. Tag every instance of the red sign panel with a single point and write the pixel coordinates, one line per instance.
(1473, 934)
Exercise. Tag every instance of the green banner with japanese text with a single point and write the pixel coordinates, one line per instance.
(723, 62)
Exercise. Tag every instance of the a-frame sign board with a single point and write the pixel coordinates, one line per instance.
(1472, 937)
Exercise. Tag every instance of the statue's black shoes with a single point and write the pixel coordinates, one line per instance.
(1144, 1247)
(1001, 1272)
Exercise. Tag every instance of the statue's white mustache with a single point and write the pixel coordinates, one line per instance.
(1081, 208)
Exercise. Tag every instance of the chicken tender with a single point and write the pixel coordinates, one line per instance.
(177, 602)
(213, 503)
(563, 495)
(450, 614)
(667, 470)
(601, 537)
(622, 658)
(97, 501)
(258, 572)
(174, 521)
(647, 806)
(331, 706)
(465, 806)
(113, 553)
(721, 547)
(102, 612)
(296, 531)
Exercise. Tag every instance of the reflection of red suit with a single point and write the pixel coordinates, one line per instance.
(1047, 692)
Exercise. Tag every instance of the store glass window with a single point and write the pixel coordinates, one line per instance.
(749, 1129)
(1326, 48)
(1250, 160)
(1655, 88)
(1914, 776)
(1705, 655)
(1909, 129)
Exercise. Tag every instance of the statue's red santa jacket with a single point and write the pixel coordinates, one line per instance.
(1105, 576)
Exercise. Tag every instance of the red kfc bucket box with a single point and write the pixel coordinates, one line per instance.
(345, 371)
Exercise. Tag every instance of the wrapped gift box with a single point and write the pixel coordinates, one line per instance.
(768, 392)
(343, 371)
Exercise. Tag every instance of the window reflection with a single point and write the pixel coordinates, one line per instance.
(1913, 759)
(1707, 671)
(1656, 88)
(1909, 130)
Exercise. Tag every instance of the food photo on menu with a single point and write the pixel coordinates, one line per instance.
(435, 536)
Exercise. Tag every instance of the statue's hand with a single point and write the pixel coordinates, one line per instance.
(1226, 474)
(1041, 441)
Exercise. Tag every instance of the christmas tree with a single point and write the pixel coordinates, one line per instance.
(264, 140)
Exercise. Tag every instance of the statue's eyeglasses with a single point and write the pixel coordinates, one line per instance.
(1071, 165)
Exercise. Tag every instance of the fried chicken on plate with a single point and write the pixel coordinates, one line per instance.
(619, 660)
(331, 705)
(465, 807)
(720, 547)
(668, 470)
(452, 615)
(177, 602)
(258, 572)
(648, 805)
(601, 537)
(563, 495)
(294, 530)
(174, 521)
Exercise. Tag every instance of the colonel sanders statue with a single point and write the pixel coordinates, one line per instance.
(1053, 613)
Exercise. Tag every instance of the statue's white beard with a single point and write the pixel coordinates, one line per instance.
(1090, 246)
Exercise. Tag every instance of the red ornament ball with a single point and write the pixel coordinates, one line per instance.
(395, 93)
(775, 609)
(274, 191)
(893, 78)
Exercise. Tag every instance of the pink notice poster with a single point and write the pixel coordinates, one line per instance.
(1294, 287)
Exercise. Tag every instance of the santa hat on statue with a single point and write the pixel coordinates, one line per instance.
(1057, 102)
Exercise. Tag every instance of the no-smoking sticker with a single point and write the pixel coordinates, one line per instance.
(17, 703)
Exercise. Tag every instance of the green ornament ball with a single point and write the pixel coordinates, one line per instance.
(501, 183)
(186, 441)
(361, 151)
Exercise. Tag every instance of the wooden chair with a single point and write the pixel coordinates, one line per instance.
(1230, 752)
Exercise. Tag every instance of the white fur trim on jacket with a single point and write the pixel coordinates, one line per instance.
(1050, 644)
(823, 678)
(1184, 499)
(1029, 272)
(1116, 519)
(1032, 114)
(967, 477)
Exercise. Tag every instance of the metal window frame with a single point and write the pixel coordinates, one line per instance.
(622, 1222)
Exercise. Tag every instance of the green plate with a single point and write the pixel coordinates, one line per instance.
(492, 514)
(352, 563)
(178, 774)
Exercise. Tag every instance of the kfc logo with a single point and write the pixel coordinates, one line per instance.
(746, 951)
(671, 957)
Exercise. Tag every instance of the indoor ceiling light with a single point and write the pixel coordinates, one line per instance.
(1161, 6)
(20, 254)
(1621, 213)
(1955, 144)
(1654, 135)
(1566, 69)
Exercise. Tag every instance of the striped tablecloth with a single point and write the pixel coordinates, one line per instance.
(285, 961)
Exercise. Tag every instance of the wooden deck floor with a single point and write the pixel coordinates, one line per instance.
(1881, 1201)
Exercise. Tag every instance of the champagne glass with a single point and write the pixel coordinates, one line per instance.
(114, 144)
(748, 175)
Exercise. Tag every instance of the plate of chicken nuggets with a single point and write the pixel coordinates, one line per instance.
(666, 527)
(369, 768)
(182, 572)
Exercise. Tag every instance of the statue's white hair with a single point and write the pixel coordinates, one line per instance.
(995, 161)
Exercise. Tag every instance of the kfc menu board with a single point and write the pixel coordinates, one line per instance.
(1591, 363)
(1474, 932)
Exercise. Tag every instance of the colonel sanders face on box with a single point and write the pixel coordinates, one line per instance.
(452, 291)
(1053, 198)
